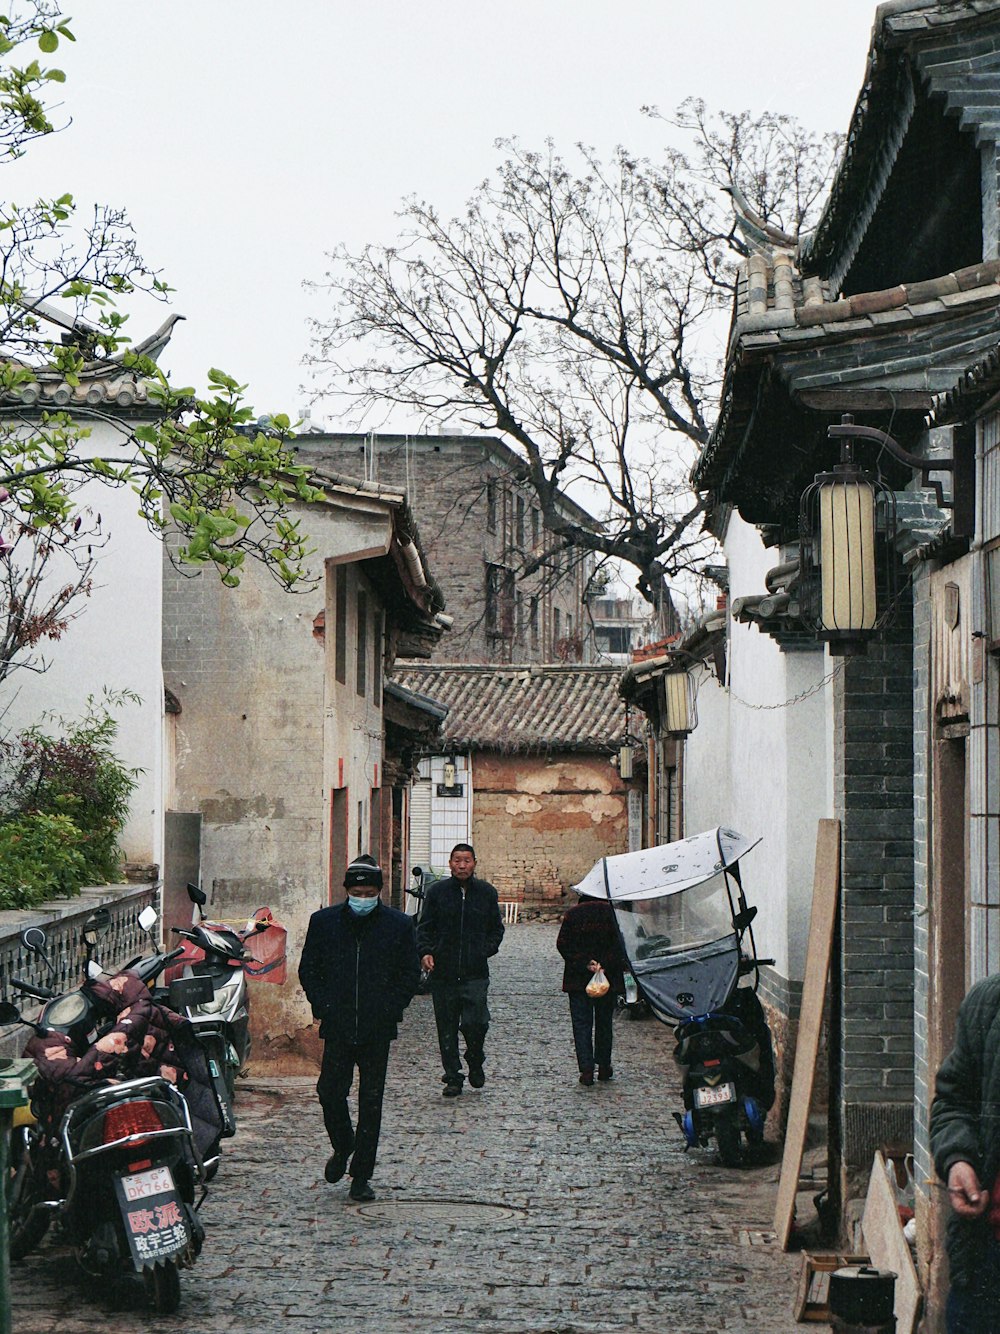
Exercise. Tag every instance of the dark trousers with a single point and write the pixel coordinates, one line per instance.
(976, 1310)
(335, 1080)
(593, 1018)
(460, 1006)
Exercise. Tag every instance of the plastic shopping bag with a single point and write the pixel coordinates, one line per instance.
(598, 984)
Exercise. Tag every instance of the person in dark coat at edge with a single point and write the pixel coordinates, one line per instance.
(587, 941)
(460, 930)
(965, 1144)
(359, 970)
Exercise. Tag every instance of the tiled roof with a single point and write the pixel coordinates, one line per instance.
(534, 708)
(105, 384)
(951, 48)
(891, 350)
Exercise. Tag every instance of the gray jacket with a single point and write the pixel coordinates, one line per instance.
(965, 1119)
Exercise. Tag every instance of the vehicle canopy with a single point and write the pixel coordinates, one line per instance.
(680, 920)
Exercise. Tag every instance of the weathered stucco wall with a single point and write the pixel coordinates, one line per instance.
(265, 732)
(540, 823)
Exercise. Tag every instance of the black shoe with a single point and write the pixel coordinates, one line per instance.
(476, 1077)
(604, 1073)
(587, 1078)
(451, 1090)
(336, 1165)
(360, 1190)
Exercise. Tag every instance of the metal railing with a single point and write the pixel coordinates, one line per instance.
(62, 923)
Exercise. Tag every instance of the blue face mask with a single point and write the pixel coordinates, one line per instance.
(361, 906)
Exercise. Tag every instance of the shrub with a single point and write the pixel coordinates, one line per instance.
(41, 857)
(77, 780)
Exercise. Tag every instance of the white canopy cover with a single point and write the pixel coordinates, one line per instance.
(667, 868)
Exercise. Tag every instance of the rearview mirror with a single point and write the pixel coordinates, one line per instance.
(33, 938)
(98, 924)
(147, 918)
(9, 1013)
(197, 895)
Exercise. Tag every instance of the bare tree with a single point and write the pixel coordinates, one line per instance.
(45, 573)
(571, 309)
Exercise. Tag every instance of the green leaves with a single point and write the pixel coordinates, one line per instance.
(201, 469)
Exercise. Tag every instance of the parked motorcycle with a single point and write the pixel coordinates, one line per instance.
(120, 1118)
(422, 881)
(685, 928)
(208, 985)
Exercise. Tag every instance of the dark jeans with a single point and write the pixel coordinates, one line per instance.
(335, 1080)
(976, 1310)
(593, 1018)
(460, 1006)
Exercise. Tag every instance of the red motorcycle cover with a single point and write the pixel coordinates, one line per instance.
(269, 949)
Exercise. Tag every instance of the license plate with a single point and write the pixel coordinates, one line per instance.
(713, 1097)
(154, 1216)
(144, 1184)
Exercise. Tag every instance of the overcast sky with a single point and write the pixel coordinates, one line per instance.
(247, 139)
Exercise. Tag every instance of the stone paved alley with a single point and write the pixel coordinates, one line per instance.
(533, 1205)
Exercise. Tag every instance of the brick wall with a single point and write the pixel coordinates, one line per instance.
(873, 764)
(540, 823)
(445, 480)
(923, 1076)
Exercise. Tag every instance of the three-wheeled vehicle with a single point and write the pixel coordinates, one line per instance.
(685, 929)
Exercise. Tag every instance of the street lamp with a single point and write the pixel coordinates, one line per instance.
(680, 713)
(847, 531)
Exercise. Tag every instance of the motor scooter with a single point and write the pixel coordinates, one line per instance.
(109, 1145)
(208, 985)
(685, 929)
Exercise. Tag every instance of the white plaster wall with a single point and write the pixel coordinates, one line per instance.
(707, 775)
(760, 763)
(115, 644)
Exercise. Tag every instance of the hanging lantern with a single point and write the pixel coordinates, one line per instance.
(847, 527)
(625, 760)
(679, 710)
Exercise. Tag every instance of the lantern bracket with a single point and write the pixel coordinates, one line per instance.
(847, 430)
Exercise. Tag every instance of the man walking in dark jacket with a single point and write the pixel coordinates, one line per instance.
(965, 1142)
(359, 970)
(460, 929)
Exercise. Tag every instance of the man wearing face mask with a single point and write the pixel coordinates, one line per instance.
(359, 970)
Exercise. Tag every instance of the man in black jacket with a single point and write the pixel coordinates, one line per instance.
(359, 970)
(965, 1142)
(460, 928)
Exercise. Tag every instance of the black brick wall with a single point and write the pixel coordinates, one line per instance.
(874, 968)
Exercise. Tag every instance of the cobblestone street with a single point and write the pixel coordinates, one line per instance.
(532, 1205)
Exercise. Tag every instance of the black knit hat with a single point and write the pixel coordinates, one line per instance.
(364, 870)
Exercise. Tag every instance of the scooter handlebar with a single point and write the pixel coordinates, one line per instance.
(30, 989)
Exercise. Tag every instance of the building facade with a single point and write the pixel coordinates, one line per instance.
(481, 528)
(526, 774)
(281, 716)
(886, 317)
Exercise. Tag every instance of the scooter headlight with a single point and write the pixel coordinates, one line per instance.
(225, 994)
